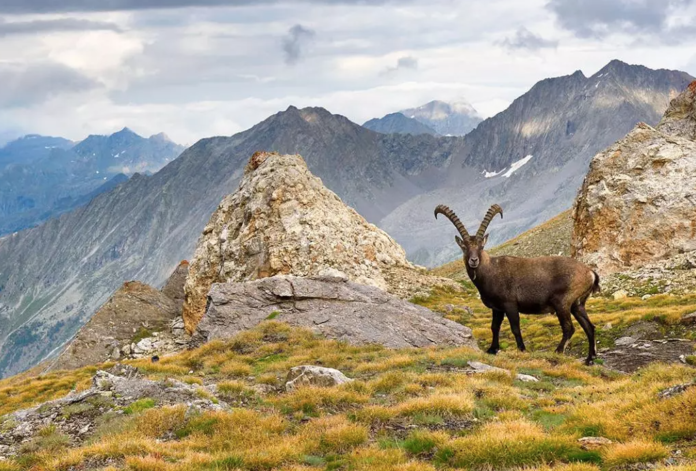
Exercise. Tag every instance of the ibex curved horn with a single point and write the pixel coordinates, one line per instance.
(442, 209)
(495, 209)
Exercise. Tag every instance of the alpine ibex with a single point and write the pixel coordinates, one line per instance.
(513, 285)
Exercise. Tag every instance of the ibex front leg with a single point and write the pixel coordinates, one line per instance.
(497, 321)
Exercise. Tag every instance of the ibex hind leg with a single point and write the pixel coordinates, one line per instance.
(566, 321)
(514, 319)
(583, 319)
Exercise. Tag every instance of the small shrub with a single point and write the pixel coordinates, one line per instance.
(49, 439)
(203, 424)
(141, 334)
(139, 406)
(441, 404)
(504, 445)
(624, 454)
(422, 442)
(236, 369)
(227, 463)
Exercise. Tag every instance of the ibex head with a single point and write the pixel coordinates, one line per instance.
(471, 246)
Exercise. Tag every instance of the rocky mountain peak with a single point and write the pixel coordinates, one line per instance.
(160, 137)
(283, 221)
(455, 119)
(636, 204)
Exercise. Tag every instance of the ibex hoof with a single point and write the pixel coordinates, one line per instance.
(492, 351)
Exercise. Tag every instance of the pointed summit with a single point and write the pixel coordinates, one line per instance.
(282, 220)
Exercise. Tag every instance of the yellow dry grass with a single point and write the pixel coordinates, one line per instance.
(410, 409)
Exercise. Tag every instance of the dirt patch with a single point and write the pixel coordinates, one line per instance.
(641, 353)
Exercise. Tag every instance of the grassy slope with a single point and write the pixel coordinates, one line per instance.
(407, 410)
(413, 409)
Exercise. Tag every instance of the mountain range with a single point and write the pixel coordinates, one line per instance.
(436, 117)
(42, 177)
(530, 158)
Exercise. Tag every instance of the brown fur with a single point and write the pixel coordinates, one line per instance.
(511, 286)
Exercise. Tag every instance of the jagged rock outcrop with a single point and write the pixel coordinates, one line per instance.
(136, 321)
(330, 306)
(283, 220)
(638, 201)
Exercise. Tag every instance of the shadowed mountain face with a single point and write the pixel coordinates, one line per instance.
(397, 123)
(55, 276)
(42, 177)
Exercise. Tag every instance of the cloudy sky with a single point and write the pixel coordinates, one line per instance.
(197, 68)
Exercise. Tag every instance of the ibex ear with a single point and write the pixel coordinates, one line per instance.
(485, 239)
(460, 242)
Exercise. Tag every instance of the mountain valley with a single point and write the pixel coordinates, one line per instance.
(56, 275)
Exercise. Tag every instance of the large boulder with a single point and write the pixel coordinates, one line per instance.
(637, 203)
(330, 306)
(283, 220)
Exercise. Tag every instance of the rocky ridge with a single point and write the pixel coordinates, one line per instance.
(637, 203)
(283, 220)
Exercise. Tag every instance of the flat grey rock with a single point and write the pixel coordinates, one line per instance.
(625, 341)
(332, 307)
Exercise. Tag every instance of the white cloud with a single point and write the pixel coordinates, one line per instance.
(198, 72)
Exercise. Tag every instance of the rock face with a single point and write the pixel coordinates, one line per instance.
(283, 220)
(330, 306)
(123, 326)
(637, 203)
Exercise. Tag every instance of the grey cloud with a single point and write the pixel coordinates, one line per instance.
(63, 24)
(26, 85)
(62, 6)
(295, 42)
(598, 18)
(525, 39)
(403, 63)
